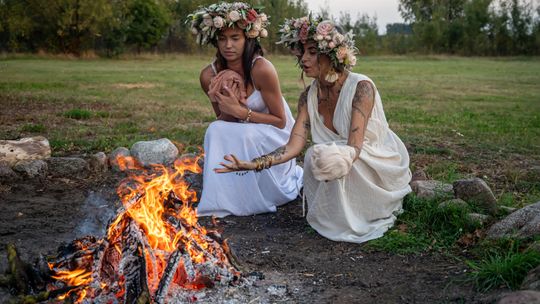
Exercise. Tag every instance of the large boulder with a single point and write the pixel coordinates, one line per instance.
(521, 297)
(36, 168)
(161, 151)
(29, 148)
(522, 223)
(476, 191)
(431, 189)
(68, 167)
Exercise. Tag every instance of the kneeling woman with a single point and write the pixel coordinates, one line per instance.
(252, 116)
(357, 173)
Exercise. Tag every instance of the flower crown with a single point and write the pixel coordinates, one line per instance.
(339, 47)
(206, 21)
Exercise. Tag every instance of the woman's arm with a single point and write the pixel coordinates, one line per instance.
(294, 146)
(265, 76)
(362, 105)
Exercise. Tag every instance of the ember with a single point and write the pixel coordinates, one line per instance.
(153, 243)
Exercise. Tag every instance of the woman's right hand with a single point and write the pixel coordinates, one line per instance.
(234, 164)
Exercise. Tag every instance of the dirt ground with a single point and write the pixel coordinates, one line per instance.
(280, 248)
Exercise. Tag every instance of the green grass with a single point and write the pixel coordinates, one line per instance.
(502, 263)
(78, 114)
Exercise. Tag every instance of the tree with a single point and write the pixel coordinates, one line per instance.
(148, 23)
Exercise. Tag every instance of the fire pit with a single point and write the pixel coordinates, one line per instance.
(153, 249)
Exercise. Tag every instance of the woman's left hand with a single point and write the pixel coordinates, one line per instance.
(229, 103)
(234, 164)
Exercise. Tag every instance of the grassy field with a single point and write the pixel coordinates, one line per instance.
(459, 116)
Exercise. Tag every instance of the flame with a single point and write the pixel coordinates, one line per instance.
(145, 200)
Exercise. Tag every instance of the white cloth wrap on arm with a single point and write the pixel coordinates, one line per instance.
(331, 161)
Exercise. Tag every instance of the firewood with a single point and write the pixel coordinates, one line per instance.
(133, 267)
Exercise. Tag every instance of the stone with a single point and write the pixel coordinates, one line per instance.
(36, 168)
(522, 223)
(431, 189)
(161, 151)
(98, 163)
(28, 148)
(475, 190)
(532, 280)
(419, 175)
(119, 158)
(6, 172)
(482, 219)
(68, 167)
(456, 202)
(521, 297)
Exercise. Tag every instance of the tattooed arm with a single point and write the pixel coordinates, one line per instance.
(297, 141)
(362, 105)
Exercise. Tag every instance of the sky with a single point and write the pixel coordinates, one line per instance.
(386, 10)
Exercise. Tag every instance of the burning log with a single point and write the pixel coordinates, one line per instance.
(133, 267)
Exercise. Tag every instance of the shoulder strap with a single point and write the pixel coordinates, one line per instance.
(213, 65)
(253, 64)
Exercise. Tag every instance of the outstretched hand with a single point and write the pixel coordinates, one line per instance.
(234, 164)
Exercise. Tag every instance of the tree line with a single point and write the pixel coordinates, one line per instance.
(112, 27)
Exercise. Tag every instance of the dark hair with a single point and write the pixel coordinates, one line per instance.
(252, 48)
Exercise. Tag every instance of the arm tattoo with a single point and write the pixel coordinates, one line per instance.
(307, 125)
(364, 92)
(303, 98)
(278, 153)
(355, 129)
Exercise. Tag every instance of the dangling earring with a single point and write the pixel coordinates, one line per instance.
(332, 76)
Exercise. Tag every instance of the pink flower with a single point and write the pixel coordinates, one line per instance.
(342, 53)
(264, 33)
(325, 28)
(331, 45)
(234, 16)
(304, 32)
(218, 22)
(253, 33)
(242, 23)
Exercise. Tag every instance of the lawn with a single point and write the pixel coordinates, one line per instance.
(458, 116)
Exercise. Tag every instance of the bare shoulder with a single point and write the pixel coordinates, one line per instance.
(364, 91)
(206, 77)
(264, 72)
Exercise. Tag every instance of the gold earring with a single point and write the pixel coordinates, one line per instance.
(332, 76)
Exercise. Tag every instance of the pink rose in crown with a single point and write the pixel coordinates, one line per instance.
(304, 32)
(251, 15)
(242, 23)
(325, 28)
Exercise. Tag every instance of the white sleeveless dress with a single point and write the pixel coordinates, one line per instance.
(363, 204)
(254, 192)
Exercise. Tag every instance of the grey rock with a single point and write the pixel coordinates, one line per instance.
(32, 168)
(68, 167)
(161, 151)
(475, 190)
(419, 175)
(478, 218)
(532, 280)
(458, 203)
(6, 173)
(431, 189)
(521, 297)
(522, 223)
(98, 163)
(121, 152)
(277, 290)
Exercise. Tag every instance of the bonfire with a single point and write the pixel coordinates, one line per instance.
(153, 247)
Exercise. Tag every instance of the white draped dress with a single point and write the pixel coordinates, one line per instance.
(254, 192)
(363, 204)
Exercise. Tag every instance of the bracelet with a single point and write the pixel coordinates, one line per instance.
(248, 117)
(263, 162)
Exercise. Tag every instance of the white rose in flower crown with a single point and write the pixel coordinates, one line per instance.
(234, 16)
(319, 37)
(208, 22)
(263, 17)
(263, 33)
(338, 38)
(352, 60)
(327, 37)
(253, 33)
(323, 44)
(218, 22)
(257, 24)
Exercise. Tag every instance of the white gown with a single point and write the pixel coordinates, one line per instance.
(363, 204)
(255, 192)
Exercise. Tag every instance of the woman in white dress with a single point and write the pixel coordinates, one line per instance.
(357, 173)
(251, 127)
